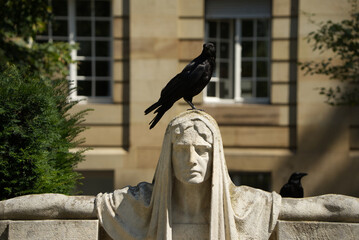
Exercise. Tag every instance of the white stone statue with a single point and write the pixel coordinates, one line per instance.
(192, 196)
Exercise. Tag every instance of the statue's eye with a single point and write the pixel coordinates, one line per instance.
(179, 148)
(202, 150)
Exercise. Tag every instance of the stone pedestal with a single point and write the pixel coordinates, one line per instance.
(287, 230)
(49, 230)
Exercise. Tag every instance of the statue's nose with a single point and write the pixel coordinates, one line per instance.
(192, 156)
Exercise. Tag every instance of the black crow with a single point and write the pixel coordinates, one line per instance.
(187, 84)
(294, 187)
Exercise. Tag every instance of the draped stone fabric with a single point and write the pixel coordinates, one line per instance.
(144, 211)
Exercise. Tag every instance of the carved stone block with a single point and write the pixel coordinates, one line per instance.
(49, 230)
(286, 230)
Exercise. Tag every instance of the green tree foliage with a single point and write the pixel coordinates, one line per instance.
(342, 39)
(37, 134)
(21, 21)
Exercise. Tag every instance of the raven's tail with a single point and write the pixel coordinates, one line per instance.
(159, 115)
(152, 107)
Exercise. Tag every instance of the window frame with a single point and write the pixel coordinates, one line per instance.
(236, 65)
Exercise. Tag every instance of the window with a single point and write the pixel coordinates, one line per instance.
(88, 23)
(261, 180)
(95, 181)
(221, 34)
(242, 39)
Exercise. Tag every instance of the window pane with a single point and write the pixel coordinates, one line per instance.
(59, 7)
(223, 70)
(85, 48)
(84, 88)
(83, 28)
(262, 69)
(84, 68)
(214, 74)
(59, 28)
(102, 28)
(224, 90)
(102, 48)
(102, 88)
(247, 49)
(247, 69)
(262, 89)
(246, 90)
(102, 68)
(211, 89)
(262, 49)
(45, 31)
(58, 41)
(262, 28)
(83, 8)
(224, 30)
(102, 8)
(42, 41)
(224, 50)
(215, 45)
(212, 29)
(247, 28)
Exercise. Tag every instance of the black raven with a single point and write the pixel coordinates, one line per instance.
(294, 187)
(187, 84)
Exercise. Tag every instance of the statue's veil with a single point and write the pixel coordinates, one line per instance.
(221, 210)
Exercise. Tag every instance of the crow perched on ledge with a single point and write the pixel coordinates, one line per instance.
(187, 84)
(294, 187)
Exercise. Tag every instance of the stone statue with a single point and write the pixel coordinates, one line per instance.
(192, 196)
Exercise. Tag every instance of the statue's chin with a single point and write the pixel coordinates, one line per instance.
(195, 181)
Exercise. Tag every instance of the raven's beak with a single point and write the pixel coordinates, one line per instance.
(303, 174)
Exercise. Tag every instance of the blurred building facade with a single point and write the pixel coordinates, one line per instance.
(272, 119)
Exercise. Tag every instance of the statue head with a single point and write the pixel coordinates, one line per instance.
(192, 152)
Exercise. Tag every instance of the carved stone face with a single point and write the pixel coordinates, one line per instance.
(192, 153)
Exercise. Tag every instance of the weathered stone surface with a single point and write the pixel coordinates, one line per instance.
(288, 230)
(4, 230)
(190, 232)
(50, 230)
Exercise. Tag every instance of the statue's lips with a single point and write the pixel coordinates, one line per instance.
(193, 171)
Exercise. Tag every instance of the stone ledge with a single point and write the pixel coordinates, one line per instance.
(90, 230)
(287, 230)
(49, 230)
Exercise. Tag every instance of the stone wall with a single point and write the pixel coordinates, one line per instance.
(90, 230)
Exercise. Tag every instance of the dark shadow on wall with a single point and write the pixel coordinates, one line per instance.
(346, 177)
(126, 74)
(314, 149)
(293, 86)
(329, 166)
